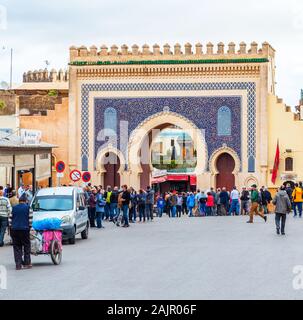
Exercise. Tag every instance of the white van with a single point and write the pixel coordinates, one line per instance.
(67, 204)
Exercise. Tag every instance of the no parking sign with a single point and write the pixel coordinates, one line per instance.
(75, 175)
(60, 166)
(86, 176)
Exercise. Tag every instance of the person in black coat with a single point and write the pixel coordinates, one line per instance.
(20, 222)
(224, 200)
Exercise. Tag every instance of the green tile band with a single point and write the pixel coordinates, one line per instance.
(161, 62)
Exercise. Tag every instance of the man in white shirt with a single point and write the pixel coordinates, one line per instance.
(5, 210)
(21, 190)
(235, 198)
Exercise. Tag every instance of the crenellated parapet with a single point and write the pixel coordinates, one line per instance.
(46, 76)
(196, 52)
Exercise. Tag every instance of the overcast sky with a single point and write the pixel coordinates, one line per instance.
(44, 30)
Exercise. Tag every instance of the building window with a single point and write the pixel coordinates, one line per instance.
(251, 164)
(54, 161)
(224, 121)
(84, 163)
(110, 121)
(289, 164)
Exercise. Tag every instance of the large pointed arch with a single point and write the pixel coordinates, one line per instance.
(139, 134)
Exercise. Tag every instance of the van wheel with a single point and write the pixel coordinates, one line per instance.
(72, 240)
(84, 233)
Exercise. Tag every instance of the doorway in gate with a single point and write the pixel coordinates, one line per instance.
(225, 166)
(111, 164)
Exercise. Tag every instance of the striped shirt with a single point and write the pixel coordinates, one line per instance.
(5, 207)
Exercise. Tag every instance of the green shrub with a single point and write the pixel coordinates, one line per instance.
(53, 93)
(2, 105)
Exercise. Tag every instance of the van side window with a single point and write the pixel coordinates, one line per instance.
(82, 200)
(79, 204)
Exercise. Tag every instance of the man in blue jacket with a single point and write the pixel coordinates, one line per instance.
(20, 222)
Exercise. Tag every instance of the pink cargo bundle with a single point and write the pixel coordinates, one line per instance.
(48, 236)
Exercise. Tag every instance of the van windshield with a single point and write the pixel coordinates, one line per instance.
(53, 203)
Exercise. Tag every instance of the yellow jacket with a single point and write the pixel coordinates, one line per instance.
(297, 195)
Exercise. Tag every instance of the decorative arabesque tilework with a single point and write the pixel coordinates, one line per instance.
(250, 87)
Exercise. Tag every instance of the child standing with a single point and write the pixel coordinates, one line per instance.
(160, 206)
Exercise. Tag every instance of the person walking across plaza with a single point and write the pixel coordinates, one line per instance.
(20, 222)
(297, 196)
(244, 198)
(268, 198)
(5, 210)
(283, 206)
(255, 204)
(263, 200)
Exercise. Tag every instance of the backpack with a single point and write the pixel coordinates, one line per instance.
(260, 201)
(108, 194)
(203, 200)
(141, 199)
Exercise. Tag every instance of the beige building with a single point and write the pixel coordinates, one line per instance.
(223, 97)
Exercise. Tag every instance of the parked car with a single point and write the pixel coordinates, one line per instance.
(67, 204)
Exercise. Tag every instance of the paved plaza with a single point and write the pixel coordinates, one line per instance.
(198, 258)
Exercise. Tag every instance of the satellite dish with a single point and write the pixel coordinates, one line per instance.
(4, 85)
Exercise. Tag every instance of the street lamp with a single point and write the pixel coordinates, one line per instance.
(11, 68)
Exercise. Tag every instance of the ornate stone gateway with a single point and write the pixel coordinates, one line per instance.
(118, 99)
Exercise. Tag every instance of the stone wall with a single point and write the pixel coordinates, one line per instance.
(8, 101)
(39, 101)
(54, 127)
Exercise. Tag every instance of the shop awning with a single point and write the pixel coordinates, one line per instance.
(179, 177)
(193, 180)
(158, 180)
(175, 177)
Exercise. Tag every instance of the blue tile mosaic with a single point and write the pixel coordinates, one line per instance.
(200, 110)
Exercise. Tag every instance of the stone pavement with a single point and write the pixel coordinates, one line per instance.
(197, 258)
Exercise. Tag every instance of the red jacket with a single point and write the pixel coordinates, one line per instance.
(210, 201)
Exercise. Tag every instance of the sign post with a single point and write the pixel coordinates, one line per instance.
(75, 175)
(86, 176)
(60, 167)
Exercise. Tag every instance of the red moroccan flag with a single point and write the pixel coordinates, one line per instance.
(276, 165)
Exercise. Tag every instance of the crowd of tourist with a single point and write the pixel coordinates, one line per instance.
(141, 206)
(125, 205)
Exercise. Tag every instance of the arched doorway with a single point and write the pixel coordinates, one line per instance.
(137, 142)
(111, 163)
(225, 166)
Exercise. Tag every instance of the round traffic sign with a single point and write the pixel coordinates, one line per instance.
(60, 166)
(86, 176)
(75, 175)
